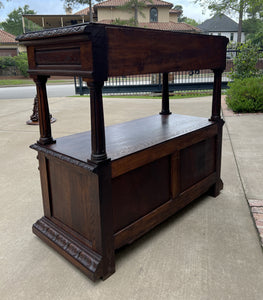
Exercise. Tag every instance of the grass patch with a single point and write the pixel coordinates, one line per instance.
(12, 82)
(179, 95)
(4, 82)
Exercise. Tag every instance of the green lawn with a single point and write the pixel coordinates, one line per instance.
(173, 96)
(178, 95)
(15, 81)
(11, 82)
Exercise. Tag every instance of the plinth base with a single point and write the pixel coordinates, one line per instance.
(73, 250)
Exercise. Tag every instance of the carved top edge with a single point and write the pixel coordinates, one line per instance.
(54, 32)
(88, 166)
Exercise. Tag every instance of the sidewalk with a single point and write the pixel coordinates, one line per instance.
(210, 250)
(245, 131)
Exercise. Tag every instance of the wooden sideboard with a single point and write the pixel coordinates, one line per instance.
(99, 196)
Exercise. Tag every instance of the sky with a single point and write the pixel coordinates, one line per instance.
(190, 9)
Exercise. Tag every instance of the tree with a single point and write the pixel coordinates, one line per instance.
(178, 7)
(184, 19)
(1, 4)
(189, 21)
(120, 22)
(229, 6)
(255, 9)
(71, 3)
(82, 2)
(13, 23)
(253, 29)
(245, 63)
(136, 7)
(253, 26)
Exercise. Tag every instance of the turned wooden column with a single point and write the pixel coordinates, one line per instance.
(43, 111)
(98, 147)
(165, 96)
(216, 116)
(216, 105)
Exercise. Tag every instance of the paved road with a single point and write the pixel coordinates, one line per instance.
(22, 92)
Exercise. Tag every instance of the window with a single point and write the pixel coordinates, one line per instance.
(153, 15)
(231, 36)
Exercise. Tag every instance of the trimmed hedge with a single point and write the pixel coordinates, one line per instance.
(246, 95)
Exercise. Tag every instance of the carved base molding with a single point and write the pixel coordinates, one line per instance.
(30, 122)
(73, 250)
(34, 118)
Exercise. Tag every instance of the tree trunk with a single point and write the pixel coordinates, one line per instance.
(136, 15)
(90, 12)
(240, 21)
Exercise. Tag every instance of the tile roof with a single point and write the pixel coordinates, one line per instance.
(173, 26)
(7, 38)
(219, 23)
(84, 11)
(110, 3)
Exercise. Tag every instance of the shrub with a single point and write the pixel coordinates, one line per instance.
(246, 95)
(21, 63)
(6, 61)
(245, 61)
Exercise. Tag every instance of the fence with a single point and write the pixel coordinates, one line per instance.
(194, 80)
(186, 81)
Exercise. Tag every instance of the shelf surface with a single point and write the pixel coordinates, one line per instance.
(130, 137)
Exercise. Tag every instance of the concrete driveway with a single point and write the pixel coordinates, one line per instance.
(210, 250)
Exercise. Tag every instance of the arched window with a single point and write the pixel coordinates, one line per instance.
(153, 15)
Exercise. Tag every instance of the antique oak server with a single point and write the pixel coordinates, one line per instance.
(99, 196)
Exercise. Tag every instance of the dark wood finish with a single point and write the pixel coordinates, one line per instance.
(99, 196)
(141, 226)
(43, 111)
(197, 162)
(165, 96)
(154, 181)
(34, 120)
(216, 116)
(162, 51)
(216, 105)
(97, 121)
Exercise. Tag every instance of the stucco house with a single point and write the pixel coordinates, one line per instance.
(156, 14)
(220, 24)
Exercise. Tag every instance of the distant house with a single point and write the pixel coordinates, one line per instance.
(8, 44)
(157, 14)
(220, 24)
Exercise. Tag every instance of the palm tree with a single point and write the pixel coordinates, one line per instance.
(136, 7)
